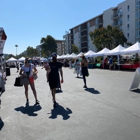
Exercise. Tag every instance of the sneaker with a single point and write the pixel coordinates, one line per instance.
(84, 86)
(37, 102)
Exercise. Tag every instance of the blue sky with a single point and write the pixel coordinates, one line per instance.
(27, 21)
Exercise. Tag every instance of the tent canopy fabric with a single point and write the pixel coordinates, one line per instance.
(12, 59)
(66, 56)
(61, 57)
(115, 51)
(21, 59)
(80, 54)
(101, 53)
(73, 55)
(89, 54)
(132, 49)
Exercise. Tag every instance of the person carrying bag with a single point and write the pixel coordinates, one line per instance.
(27, 71)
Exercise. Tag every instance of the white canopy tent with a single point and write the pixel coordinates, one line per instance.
(12, 59)
(132, 49)
(115, 51)
(101, 53)
(61, 57)
(89, 54)
(58, 56)
(66, 56)
(21, 59)
(80, 54)
(73, 55)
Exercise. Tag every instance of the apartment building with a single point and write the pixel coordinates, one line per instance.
(125, 16)
(60, 47)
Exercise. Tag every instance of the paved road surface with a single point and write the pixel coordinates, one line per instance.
(107, 110)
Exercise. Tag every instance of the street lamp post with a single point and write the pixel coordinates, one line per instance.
(16, 49)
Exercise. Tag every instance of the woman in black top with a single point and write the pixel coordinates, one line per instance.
(53, 75)
(84, 67)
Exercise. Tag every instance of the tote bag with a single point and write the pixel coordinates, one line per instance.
(18, 82)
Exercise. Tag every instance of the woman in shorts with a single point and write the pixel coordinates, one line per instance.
(27, 71)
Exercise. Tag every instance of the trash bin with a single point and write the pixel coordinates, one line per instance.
(8, 71)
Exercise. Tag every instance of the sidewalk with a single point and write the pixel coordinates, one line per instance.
(107, 110)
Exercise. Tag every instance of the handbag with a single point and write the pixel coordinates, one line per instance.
(35, 76)
(18, 82)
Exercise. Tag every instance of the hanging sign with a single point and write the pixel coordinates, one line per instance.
(3, 38)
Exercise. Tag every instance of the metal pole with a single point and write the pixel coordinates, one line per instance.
(16, 49)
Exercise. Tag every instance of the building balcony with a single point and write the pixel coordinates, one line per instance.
(82, 41)
(119, 23)
(115, 16)
(83, 29)
(98, 23)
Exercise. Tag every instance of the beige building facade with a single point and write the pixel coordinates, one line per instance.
(125, 16)
(60, 47)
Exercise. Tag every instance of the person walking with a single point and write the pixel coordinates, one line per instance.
(84, 67)
(53, 76)
(110, 62)
(17, 66)
(77, 67)
(27, 71)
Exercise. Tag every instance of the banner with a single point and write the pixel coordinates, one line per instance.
(3, 38)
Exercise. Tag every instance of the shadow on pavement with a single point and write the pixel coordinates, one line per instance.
(136, 90)
(1, 124)
(59, 110)
(29, 110)
(92, 90)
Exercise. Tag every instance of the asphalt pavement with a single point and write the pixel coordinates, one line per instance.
(106, 110)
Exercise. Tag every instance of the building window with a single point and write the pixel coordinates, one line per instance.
(128, 8)
(138, 4)
(127, 26)
(138, 34)
(128, 17)
(127, 35)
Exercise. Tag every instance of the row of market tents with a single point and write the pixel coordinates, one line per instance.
(22, 59)
(119, 50)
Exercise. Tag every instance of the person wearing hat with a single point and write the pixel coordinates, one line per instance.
(27, 71)
(53, 75)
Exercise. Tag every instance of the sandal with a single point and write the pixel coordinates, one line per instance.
(37, 102)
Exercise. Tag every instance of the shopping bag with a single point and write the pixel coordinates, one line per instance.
(17, 82)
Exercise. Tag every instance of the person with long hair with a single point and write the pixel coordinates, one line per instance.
(84, 68)
(53, 76)
(27, 71)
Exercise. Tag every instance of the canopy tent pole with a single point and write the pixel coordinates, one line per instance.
(118, 62)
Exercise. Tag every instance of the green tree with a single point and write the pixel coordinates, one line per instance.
(74, 49)
(48, 45)
(109, 37)
(31, 52)
(9, 56)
